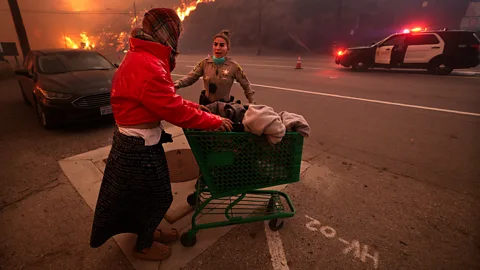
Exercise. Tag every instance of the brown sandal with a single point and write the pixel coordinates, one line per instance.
(164, 237)
(158, 252)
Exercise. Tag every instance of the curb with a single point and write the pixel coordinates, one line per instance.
(471, 73)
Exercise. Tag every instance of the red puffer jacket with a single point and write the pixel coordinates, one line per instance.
(143, 91)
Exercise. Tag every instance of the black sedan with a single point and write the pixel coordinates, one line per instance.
(67, 85)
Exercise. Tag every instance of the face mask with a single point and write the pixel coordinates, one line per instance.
(218, 61)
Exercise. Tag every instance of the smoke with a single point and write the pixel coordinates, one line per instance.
(313, 25)
(285, 23)
(47, 21)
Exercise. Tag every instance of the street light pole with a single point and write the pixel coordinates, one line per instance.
(259, 49)
(339, 11)
(19, 27)
(64, 37)
(262, 4)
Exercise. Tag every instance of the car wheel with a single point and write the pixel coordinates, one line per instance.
(440, 67)
(360, 66)
(42, 117)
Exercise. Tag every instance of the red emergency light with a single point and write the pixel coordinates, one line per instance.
(416, 29)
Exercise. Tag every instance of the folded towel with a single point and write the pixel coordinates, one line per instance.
(295, 122)
(261, 119)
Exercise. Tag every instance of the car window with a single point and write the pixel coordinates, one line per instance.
(424, 39)
(80, 61)
(394, 40)
(50, 64)
(467, 38)
(73, 61)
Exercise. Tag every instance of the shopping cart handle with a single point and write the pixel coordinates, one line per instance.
(239, 127)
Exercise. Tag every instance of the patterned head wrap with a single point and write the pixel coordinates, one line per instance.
(161, 25)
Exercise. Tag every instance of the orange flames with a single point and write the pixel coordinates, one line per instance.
(121, 41)
(185, 9)
(83, 41)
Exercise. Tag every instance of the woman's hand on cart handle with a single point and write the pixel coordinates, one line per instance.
(203, 108)
(227, 125)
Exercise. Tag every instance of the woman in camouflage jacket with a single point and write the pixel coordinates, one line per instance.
(219, 72)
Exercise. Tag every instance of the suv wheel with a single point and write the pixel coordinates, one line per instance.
(359, 66)
(440, 67)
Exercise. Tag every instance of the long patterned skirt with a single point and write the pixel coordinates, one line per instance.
(135, 193)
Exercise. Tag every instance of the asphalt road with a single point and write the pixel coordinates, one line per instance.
(389, 178)
(393, 182)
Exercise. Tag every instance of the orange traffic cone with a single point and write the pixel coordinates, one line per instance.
(299, 63)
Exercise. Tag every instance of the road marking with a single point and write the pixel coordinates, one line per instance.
(456, 74)
(275, 246)
(359, 251)
(471, 73)
(360, 254)
(328, 231)
(277, 66)
(369, 100)
(362, 99)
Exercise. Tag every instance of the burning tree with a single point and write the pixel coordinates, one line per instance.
(114, 36)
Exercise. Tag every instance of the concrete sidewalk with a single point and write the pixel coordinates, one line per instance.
(85, 172)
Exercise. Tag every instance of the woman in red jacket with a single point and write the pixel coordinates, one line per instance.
(136, 192)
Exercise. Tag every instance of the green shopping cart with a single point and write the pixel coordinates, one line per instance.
(235, 168)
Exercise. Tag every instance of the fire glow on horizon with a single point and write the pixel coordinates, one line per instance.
(84, 41)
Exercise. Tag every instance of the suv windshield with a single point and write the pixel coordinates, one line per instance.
(72, 61)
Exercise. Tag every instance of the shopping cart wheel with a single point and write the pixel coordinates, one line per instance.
(188, 239)
(192, 199)
(275, 224)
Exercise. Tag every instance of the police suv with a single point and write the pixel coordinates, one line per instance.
(440, 52)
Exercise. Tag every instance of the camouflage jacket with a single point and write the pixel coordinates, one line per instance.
(223, 76)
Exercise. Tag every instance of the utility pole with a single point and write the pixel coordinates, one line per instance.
(135, 13)
(19, 27)
(259, 49)
(260, 8)
(339, 11)
(64, 38)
